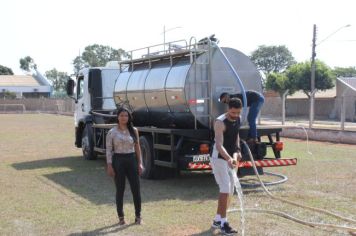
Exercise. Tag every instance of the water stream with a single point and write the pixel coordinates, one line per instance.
(240, 197)
(310, 153)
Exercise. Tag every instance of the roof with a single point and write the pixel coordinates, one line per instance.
(348, 81)
(17, 80)
(270, 93)
(329, 93)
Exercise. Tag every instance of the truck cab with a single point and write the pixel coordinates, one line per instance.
(92, 90)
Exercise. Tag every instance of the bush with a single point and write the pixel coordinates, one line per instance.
(8, 95)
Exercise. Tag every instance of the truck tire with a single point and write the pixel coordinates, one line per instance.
(147, 157)
(150, 170)
(88, 143)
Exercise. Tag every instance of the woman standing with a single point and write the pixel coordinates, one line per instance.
(123, 157)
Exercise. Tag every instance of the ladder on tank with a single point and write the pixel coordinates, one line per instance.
(210, 45)
(206, 81)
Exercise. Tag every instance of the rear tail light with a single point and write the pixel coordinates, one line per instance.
(278, 146)
(195, 101)
(204, 148)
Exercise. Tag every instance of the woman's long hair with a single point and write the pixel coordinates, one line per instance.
(130, 126)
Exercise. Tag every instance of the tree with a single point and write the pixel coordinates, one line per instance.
(272, 58)
(9, 95)
(279, 83)
(58, 79)
(345, 71)
(78, 64)
(300, 75)
(98, 55)
(27, 63)
(5, 70)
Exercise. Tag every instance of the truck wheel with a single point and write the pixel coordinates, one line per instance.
(88, 143)
(147, 157)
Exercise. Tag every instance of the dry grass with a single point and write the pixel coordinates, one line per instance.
(48, 189)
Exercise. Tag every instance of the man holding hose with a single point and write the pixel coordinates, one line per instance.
(226, 154)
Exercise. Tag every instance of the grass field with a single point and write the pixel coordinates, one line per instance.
(46, 188)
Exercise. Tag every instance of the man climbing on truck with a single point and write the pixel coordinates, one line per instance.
(255, 101)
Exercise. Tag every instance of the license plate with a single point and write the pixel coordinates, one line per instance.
(201, 158)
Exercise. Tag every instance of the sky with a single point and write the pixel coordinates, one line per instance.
(54, 32)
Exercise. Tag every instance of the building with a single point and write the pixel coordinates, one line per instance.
(328, 104)
(298, 104)
(346, 97)
(25, 86)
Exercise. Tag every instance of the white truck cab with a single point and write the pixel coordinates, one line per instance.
(82, 98)
(92, 90)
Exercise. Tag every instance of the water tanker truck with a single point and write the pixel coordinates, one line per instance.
(173, 91)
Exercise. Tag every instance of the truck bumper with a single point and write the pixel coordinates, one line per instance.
(197, 162)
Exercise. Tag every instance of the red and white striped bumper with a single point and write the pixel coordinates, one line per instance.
(248, 164)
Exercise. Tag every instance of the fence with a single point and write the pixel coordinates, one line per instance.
(328, 111)
(333, 113)
(324, 107)
(37, 105)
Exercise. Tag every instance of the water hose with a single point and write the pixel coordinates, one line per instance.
(282, 214)
(289, 217)
(283, 178)
(239, 81)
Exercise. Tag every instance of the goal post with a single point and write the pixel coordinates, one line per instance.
(12, 108)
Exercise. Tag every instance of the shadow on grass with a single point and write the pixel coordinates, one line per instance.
(208, 232)
(89, 180)
(112, 229)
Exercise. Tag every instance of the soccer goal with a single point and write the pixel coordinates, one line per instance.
(8, 108)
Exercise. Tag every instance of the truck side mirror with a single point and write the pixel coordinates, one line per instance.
(70, 87)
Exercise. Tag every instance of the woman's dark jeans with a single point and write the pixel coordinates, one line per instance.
(125, 165)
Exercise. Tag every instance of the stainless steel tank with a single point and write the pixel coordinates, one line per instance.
(176, 93)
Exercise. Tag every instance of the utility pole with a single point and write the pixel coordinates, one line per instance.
(312, 79)
(164, 35)
(164, 39)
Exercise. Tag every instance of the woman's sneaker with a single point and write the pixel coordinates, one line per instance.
(216, 224)
(122, 221)
(138, 220)
(227, 230)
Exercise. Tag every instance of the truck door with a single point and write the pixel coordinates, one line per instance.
(82, 106)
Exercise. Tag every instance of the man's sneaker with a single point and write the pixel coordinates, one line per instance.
(227, 230)
(216, 224)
